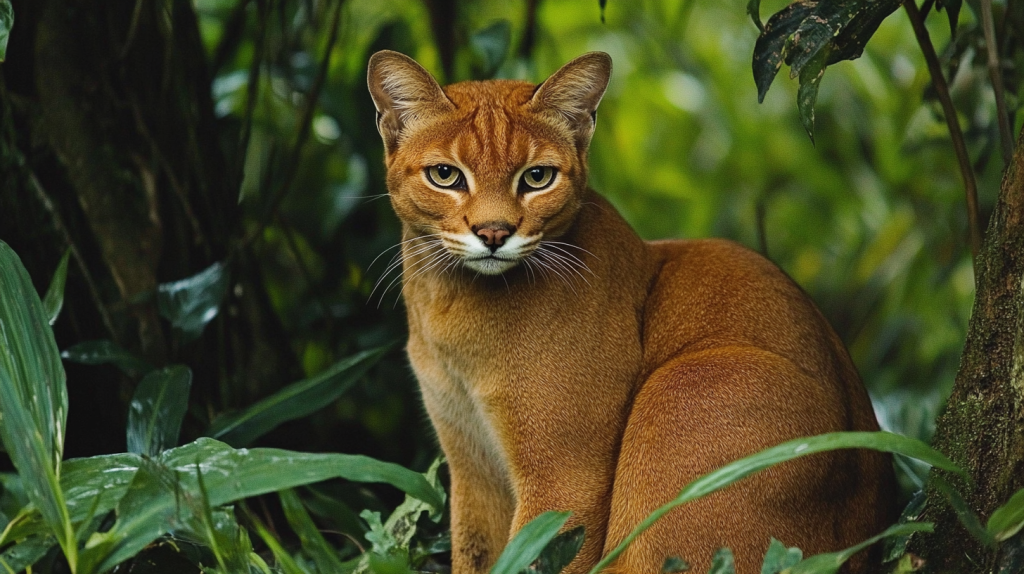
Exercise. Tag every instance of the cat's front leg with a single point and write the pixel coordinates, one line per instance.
(482, 504)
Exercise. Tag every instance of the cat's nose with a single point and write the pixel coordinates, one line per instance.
(493, 233)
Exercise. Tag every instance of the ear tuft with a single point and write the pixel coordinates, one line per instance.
(404, 93)
(575, 90)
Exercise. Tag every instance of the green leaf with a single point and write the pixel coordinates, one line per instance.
(789, 450)
(897, 545)
(167, 484)
(722, 562)
(810, 78)
(103, 352)
(284, 560)
(189, 304)
(674, 564)
(1008, 519)
(54, 299)
(967, 517)
(832, 562)
(771, 46)
(294, 401)
(313, 543)
(558, 553)
(778, 557)
(528, 543)
(157, 409)
(33, 396)
(490, 46)
(6, 23)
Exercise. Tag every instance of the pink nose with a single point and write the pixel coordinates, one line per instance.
(493, 233)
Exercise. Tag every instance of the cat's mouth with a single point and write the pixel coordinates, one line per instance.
(492, 264)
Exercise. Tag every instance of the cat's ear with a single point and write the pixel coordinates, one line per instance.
(574, 92)
(403, 93)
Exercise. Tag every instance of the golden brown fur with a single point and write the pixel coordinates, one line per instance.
(606, 381)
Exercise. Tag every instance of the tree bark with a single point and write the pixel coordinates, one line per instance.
(982, 428)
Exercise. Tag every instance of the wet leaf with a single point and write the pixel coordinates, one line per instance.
(810, 79)
(558, 553)
(722, 562)
(897, 545)
(27, 552)
(529, 542)
(294, 401)
(1008, 519)
(54, 299)
(832, 562)
(778, 557)
(104, 351)
(33, 396)
(189, 304)
(6, 23)
(157, 409)
(771, 46)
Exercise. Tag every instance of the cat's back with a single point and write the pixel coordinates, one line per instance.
(714, 293)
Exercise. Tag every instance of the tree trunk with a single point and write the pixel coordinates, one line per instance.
(982, 428)
(109, 145)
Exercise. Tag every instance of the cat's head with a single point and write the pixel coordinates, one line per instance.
(488, 168)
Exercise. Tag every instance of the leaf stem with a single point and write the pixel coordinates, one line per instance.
(996, 76)
(955, 133)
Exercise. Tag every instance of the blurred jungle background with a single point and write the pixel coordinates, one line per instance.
(215, 170)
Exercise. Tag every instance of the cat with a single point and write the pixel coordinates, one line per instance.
(568, 365)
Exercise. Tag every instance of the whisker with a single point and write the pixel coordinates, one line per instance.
(572, 245)
(399, 244)
(571, 257)
(423, 257)
(563, 262)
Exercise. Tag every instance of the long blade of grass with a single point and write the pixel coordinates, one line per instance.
(831, 563)
(528, 543)
(294, 401)
(313, 543)
(156, 410)
(33, 397)
(796, 448)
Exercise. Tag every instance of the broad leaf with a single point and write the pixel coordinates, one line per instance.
(815, 33)
(103, 352)
(6, 23)
(832, 562)
(778, 557)
(156, 410)
(164, 486)
(528, 543)
(754, 11)
(189, 304)
(54, 299)
(33, 396)
(294, 401)
(1008, 519)
(796, 448)
(675, 564)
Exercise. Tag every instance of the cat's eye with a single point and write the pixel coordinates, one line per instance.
(536, 178)
(446, 176)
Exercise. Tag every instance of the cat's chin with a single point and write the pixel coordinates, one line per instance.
(490, 265)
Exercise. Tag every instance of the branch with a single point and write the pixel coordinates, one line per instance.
(939, 81)
(996, 75)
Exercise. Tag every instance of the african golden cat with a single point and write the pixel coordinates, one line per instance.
(568, 365)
